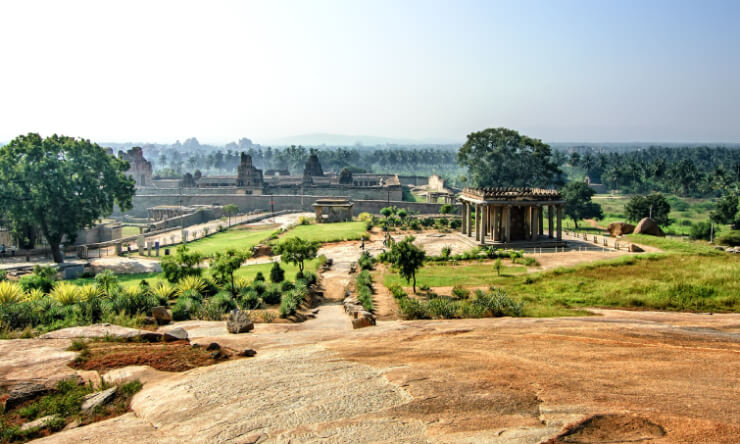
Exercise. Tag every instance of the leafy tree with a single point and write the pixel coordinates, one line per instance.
(182, 263)
(726, 209)
(60, 185)
(387, 211)
(296, 251)
(578, 205)
(277, 274)
(230, 210)
(503, 157)
(407, 258)
(223, 265)
(654, 206)
(701, 230)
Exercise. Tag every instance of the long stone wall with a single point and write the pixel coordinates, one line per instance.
(247, 203)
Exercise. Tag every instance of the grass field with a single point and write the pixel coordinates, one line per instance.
(233, 238)
(328, 232)
(129, 231)
(470, 275)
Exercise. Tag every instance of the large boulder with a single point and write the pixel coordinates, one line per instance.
(620, 228)
(239, 322)
(161, 315)
(176, 334)
(23, 392)
(648, 226)
(93, 400)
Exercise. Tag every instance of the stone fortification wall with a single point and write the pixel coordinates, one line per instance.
(349, 191)
(270, 202)
(414, 180)
(197, 217)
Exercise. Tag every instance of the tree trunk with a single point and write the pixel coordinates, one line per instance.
(413, 277)
(56, 252)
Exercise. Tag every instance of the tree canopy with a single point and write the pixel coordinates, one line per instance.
(726, 209)
(578, 205)
(503, 157)
(60, 185)
(654, 206)
(407, 258)
(223, 265)
(296, 251)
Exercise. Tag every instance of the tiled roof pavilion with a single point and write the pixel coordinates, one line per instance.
(507, 214)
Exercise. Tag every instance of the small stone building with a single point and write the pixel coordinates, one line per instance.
(333, 210)
(505, 214)
(247, 175)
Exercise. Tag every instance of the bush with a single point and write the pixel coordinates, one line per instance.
(455, 224)
(700, 231)
(65, 293)
(195, 286)
(43, 278)
(259, 277)
(181, 264)
(223, 302)
(286, 286)
(185, 308)
(460, 292)
(10, 293)
(366, 261)
(271, 295)
(397, 291)
(442, 308)
(249, 299)
(412, 309)
(292, 299)
(496, 303)
(277, 274)
(309, 278)
(732, 239)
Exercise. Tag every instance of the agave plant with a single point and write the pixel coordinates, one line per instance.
(89, 291)
(194, 283)
(35, 294)
(162, 291)
(65, 293)
(10, 293)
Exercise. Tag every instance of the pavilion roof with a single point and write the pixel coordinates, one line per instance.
(512, 193)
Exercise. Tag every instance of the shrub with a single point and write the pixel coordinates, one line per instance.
(10, 293)
(277, 274)
(65, 293)
(309, 278)
(259, 277)
(223, 302)
(412, 309)
(397, 291)
(732, 239)
(366, 261)
(191, 284)
(267, 317)
(181, 264)
(365, 217)
(259, 287)
(700, 231)
(130, 388)
(107, 281)
(460, 293)
(163, 292)
(286, 286)
(305, 220)
(132, 301)
(455, 223)
(249, 299)
(185, 308)
(291, 300)
(496, 303)
(271, 295)
(442, 308)
(43, 278)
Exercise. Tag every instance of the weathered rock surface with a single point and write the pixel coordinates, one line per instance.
(176, 334)
(101, 331)
(363, 321)
(634, 248)
(97, 399)
(648, 226)
(620, 228)
(161, 315)
(239, 322)
(23, 391)
(143, 373)
(39, 423)
(35, 361)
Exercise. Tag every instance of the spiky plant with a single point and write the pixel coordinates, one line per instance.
(65, 293)
(35, 294)
(194, 283)
(163, 292)
(10, 293)
(89, 291)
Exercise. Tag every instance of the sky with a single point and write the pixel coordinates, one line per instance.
(561, 71)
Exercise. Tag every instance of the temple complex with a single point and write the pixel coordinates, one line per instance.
(139, 169)
(503, 215)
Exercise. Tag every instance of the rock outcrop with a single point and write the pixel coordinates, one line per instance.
(176, 334)
(97, 399)
(620, 228)
(648, 226)
(239, 322)
(161, 315)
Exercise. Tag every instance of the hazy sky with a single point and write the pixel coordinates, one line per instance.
(219, 70)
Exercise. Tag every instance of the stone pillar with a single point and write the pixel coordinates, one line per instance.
(550, 221)
(470, 219)
(463, 225)
(560, 222)
(507, 224)
(484, 224)
(477, 222)
(535, 223)
(496, 225)
(541, 219)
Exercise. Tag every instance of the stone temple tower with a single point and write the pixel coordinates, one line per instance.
(248, 176)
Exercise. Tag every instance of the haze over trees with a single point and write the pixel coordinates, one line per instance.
(59, 185)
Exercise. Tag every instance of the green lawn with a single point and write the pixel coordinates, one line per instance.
(129, 231)
(328, 232)
(474, 274)
(233, 238)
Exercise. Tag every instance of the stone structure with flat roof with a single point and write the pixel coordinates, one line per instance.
(505, 215)
(333, 210)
